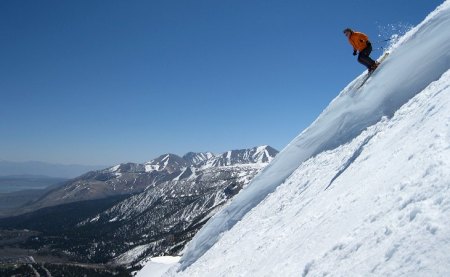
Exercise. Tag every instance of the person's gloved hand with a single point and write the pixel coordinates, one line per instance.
(354, 52)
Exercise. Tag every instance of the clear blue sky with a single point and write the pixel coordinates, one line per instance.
(102, 82)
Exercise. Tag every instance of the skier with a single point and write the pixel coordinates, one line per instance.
(361, 43)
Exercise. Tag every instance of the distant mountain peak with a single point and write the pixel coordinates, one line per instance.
(197, 158)
(259, 154)
(169, 162)
(127, 168)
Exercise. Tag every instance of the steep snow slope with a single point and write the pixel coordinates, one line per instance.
(378, 205)
(419, 58)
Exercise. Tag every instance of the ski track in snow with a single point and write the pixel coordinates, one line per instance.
(419, 58)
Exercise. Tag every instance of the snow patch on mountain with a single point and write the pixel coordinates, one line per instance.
(157, 266)
(198, 158)
(168, 162)
(132, 254)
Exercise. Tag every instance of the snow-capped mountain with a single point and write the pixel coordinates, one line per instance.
(131, 178)
(262, 154)
(362, 191)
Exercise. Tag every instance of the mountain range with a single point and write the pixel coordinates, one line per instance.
(132, 178)
(152, 208)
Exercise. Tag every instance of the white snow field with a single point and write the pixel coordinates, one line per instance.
(157, 266)
(376, 206)
(364, 190)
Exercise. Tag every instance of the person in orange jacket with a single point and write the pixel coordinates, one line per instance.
(361, 43)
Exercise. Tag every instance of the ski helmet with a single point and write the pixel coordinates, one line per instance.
(348, 30)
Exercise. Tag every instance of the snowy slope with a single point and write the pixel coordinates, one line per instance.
(387, 175)
(378, 205)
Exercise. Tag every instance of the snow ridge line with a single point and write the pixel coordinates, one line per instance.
(349, 162)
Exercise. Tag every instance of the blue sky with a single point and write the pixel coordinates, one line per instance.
(103, 82)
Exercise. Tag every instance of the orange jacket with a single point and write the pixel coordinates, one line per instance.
(358, 41)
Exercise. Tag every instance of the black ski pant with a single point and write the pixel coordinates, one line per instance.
(364, 58)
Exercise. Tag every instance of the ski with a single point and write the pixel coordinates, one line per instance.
(366, 78)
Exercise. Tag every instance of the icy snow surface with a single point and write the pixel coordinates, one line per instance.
(364, 190)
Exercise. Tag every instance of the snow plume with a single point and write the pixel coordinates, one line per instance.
(389, 34)
(363, 190)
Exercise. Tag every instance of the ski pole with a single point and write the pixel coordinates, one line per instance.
(384, 40)
(380, 41)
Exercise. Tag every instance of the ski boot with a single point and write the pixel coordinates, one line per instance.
(373, 67)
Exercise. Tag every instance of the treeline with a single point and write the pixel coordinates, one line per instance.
(26, 270)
